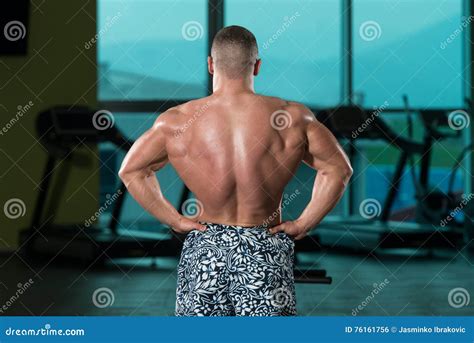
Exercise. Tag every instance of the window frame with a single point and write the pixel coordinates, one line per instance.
(215, 18)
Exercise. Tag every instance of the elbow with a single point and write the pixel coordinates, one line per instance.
(121, 173)
(346, 173)
(124, 174)
(339, 175)
(127, 174)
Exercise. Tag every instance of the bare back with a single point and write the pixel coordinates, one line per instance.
(236, 150)
(236, 154)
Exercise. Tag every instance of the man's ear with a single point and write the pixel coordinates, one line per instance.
(256, 67)
(210, 65)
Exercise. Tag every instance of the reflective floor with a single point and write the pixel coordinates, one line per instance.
(361, 285)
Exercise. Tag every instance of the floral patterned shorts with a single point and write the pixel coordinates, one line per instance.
(236, 271)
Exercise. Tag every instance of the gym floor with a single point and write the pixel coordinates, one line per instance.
(414, 286)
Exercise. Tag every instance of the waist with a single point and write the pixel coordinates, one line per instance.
(257, 221)
(224, 226)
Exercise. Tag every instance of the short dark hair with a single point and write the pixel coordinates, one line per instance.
(234, 51)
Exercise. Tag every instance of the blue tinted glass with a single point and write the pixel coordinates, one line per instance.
(299, 44)
(146, 51)
(408, 47)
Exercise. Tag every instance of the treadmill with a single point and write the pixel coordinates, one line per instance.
(379, 234)
(60, 130)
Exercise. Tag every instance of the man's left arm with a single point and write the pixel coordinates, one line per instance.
(324, 154)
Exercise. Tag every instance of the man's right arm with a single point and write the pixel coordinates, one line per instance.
(324, 154)
(148, 155)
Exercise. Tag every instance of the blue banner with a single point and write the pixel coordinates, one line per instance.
(237, 329)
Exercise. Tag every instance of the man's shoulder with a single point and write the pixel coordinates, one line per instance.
(188, 107)
(193, 106)
(288, 105)
(272, 100)
(297, 108)
(299, 112)
(174, 119)
(182, 111)
(283, 110)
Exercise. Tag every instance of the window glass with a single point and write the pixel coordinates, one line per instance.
(299, 44)
(146, 51)
(409, 47)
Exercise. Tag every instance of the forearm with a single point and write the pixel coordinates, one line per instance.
(327, 191)
(145, 189)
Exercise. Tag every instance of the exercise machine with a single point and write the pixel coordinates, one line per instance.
(433, 204)
(379, 234)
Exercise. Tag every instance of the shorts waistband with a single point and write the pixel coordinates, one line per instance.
(238, 227)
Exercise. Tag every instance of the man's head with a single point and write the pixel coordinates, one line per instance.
(234, 53)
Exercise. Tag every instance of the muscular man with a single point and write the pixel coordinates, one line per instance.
(236, 151)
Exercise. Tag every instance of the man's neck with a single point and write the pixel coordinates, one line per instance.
(224, 85)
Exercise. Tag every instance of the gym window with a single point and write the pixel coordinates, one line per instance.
(156, 57)
(319, 52)
(398, 49)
